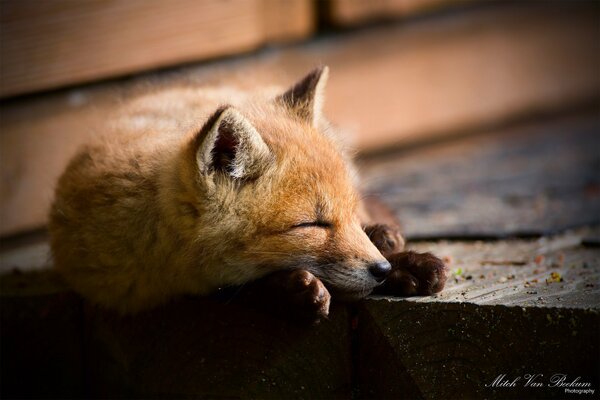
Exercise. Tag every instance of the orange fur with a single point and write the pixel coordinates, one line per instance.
(144, 214)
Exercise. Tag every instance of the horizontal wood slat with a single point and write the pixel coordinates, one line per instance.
(352, 12)
(287, 20)
(48, 44)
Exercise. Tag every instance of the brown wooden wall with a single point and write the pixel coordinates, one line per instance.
(390, 85)
(56, 43)
(49, 44)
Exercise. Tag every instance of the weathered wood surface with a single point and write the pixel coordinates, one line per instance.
(200, 347)
(453, 350)
(49, 44)
(514, 307)
(390, 85)
(526, 181)
(551, 272)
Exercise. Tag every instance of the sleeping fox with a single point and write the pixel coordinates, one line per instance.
(199, 189)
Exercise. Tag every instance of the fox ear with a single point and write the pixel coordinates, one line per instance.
(305, 98)
(229, 143)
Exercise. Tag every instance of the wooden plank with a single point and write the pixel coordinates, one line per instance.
(353, 12)
(505, 313)
(551, 272)
(457, 350)
(528, 180)
(388, 86)
(286, 20)
(449, 77)
(486, 323)
(48, 44)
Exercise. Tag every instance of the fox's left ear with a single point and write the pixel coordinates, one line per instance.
(305, 98)
(229, 144)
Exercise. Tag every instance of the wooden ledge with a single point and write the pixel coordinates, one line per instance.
(485, 324)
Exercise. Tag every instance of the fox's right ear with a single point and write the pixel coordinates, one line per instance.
(228, 143)
(305, 98)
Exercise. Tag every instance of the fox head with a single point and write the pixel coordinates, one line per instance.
(269, 187)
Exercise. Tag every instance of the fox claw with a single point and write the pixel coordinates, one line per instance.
(414, 274)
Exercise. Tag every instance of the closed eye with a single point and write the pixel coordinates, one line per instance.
(313, 224)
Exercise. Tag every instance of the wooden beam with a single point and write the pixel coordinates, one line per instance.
(504, 313)
(516, 308)
(49, 44)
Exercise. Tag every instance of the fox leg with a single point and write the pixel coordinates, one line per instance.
(413, 274)
(386, 238)
(295, 294)
(381, 226)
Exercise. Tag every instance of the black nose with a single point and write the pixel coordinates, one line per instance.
(380, 270)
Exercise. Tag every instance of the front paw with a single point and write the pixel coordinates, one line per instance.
(295, 295)
(386, 238)
(308, 295)
(414, 274)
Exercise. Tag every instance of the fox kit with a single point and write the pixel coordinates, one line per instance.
(199, 189)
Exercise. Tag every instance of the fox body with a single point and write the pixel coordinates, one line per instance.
(197, 189)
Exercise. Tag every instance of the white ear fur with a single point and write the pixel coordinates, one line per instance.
(231, 144)
(305, 98)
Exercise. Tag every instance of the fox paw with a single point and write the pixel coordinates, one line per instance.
(308, 295)
(386, 238)
(295, 295)
(414, 274)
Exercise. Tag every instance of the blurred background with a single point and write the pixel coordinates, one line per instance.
(477, 121)
(403, 72)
